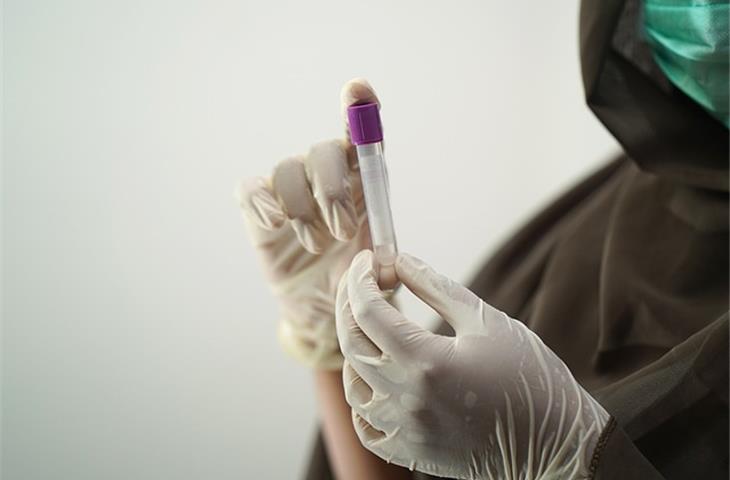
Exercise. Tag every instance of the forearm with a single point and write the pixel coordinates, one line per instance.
(348, 458)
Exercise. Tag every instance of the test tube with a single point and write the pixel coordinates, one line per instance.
(366, 133)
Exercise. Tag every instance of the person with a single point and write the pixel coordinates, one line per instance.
(594, 344)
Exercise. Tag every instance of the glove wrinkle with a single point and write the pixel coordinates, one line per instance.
(492, 402)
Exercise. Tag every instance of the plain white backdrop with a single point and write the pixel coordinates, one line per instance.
(138, 335)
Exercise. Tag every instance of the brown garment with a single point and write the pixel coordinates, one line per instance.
(628, 282)
(625, 276)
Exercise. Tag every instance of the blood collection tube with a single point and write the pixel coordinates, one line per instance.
(366, 133)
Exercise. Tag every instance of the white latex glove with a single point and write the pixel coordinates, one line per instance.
(306, 222)
(492, 402)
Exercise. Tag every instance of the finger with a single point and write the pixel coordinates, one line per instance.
(258, 204)
(377, 370)
(355, 92)
(385, 326)
(458, 305)
(357, 391)
(329, 176)
(353, 342)
(291, 188)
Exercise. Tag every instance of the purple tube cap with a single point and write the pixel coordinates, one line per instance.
(365, 126)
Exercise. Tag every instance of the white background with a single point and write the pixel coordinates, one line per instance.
(138, 336)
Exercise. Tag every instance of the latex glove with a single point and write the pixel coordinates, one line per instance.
(492, 402)
(306, 223)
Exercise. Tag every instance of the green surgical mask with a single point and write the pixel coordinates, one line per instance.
(690, 43)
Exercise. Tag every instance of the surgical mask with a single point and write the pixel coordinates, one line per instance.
(690, 43)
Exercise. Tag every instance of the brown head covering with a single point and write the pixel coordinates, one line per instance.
(660, 128)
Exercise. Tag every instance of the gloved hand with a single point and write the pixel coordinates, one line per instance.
(492, 402)
(306, 222)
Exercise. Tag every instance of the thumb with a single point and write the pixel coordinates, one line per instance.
(355, 92)
(459, 306)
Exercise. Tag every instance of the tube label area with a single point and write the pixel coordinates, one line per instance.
(377, 202)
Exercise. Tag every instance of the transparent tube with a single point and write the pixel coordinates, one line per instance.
(377, 202)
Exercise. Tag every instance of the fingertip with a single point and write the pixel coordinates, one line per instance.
(341, 219)
(363, 262)
(357, 90)
(328, 172)
(244, 190)
(403, 260)
(257, 201)
(364, 255)
(407, 265)
(310, 237)
(362, 286)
